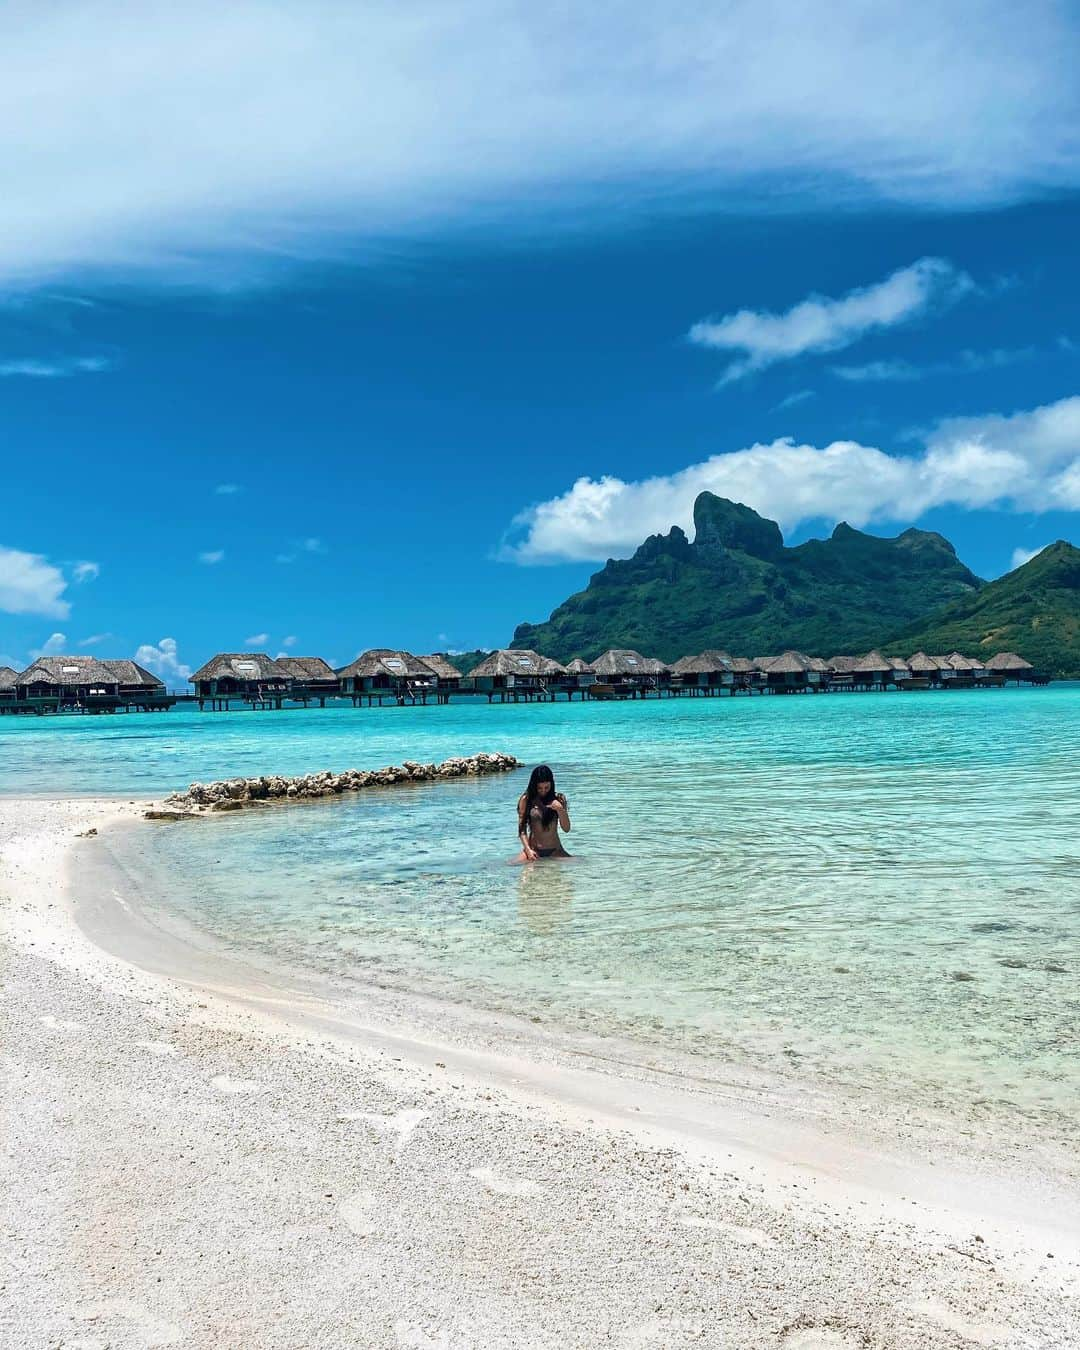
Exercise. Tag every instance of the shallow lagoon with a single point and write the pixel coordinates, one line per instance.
(879, 889)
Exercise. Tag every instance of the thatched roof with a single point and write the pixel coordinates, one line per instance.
(625, 661)
(789, 663)
(385, 661)
(816, 663)
(921, 664)
(60, 670)
(507, 661)
(742, 665)
(7, 677)
(1008, 661)
(898, 663)
(579, 667)
(711, 662)
(842, 665)
(959, 662)
(762, 662)
(872, 663)
(441, 666)
(306, 668)
(130, 672)
(241, 666)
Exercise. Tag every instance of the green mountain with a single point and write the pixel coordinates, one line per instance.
(738, 587)
(1034, 611)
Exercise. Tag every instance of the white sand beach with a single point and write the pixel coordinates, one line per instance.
(200, 1155)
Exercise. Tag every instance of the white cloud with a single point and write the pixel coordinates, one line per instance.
(95, 640)
(52, 646)
(289, 641)
(822, 324)
(300, 130)
(30, 584)
(227, 489)
(212, 556)
(964, 363)
(1021, 556)
(1029, 461)
(257, 640)
(86, 571)
(59, 368)
(163, 659)
(793, 400)
(312, 544)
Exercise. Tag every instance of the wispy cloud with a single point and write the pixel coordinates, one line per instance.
(963, 363)
(212, 556)
(257, 640)
(312, 544)
(326, 126)
(227, 489)
(163, 659)
(52, 646)
(1027, 461)
(86, 571)
(823, 324)
(289, 641)
(792, 400)
(1021, 556)
(95, 640)
(35, 368)
(30, 584)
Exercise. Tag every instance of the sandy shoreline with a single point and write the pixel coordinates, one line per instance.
(222, 1161)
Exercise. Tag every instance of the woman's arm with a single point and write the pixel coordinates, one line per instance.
(558, 803)
(523, 831)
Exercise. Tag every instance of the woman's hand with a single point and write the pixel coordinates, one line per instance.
(531, 854)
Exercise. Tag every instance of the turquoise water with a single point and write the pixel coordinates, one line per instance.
(876, 889)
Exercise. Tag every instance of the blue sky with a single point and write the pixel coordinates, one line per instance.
(390, 335)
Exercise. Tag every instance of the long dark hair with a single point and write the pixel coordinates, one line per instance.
(541, 774)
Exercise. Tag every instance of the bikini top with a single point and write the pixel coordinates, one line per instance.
(540, 817)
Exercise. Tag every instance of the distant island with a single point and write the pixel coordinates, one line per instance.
(737, 586)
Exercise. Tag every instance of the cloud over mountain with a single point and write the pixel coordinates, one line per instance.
(1028, 461)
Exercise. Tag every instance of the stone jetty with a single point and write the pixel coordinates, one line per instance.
(233, 794)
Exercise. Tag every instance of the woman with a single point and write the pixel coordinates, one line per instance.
(541, 811)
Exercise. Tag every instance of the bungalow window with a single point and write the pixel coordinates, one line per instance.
(69, 670)
(246, 668)
(394, 663)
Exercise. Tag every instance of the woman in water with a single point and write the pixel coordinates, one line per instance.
(541, 811)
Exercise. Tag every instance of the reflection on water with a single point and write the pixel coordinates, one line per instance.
(879, 889)
(546, 896)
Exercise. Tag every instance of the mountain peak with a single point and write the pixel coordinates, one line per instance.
(721, 524)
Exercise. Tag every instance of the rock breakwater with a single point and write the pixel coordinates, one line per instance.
(233, 794)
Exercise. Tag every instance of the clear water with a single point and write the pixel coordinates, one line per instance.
(879, 889)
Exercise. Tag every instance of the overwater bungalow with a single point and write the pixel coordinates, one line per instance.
(746, 674)
(925, 672)
(242, 677)
(790, 672)
(310, 677)
(627, 673)
(872, 671)
(135, 684)
(7, 685)
(901, 671)
(513, 673)
(1010, 666)
(965, 669)
(704, 673)
(65, 681)
(448, 677)
(384, 673)
(580, 674)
